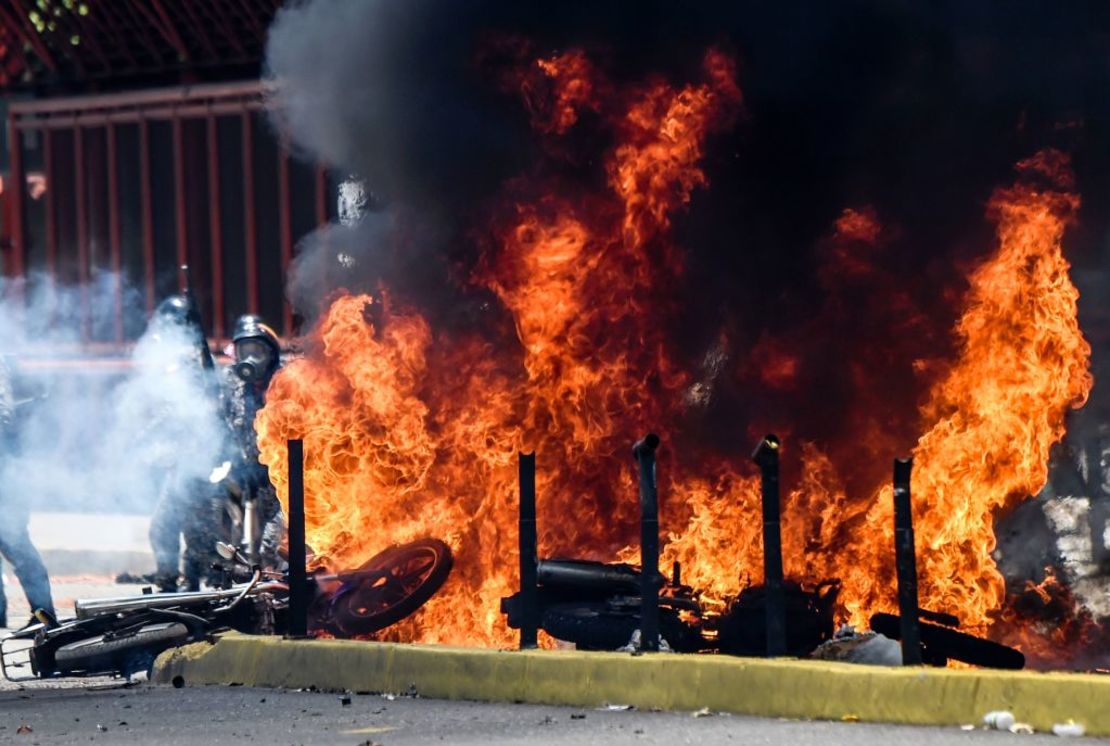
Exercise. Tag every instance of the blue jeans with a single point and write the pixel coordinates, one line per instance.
(16, 547)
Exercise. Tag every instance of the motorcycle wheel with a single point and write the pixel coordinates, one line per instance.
(124, 655)
(389, 586)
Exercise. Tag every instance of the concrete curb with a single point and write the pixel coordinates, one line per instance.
(771, 688)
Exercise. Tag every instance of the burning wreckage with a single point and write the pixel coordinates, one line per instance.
(412, 429)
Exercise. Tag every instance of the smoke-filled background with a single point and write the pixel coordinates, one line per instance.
(911, 113)
(108, 440)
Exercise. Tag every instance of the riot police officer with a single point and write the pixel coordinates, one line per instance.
(257, 356)
(183, 496)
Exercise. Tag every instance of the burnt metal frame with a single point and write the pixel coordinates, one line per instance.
(529, 591)
(298, 575)
(766, 455)
(644, 453)
(176, 105)
(906, 563)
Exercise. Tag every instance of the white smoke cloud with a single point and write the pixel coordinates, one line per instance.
(100, 440)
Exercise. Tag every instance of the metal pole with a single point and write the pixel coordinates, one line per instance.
(906, 562)
(50, 205)
(285, 231)
(114, 241)
(321, 189)
(83, 259)
(250, 230)
(766, 455)
(146, 207)
(215, 223)
(529, 595)
(17, 230)
(298, 583)
(644, 452)
(181, 219)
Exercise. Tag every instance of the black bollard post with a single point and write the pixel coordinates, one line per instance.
(529, 595)
(644, 452)
(906, 562)
(298, 582)
(766, 455)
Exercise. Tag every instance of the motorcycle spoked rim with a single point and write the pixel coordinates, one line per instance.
(423, 567)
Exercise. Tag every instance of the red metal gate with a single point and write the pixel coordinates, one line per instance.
(109, 164)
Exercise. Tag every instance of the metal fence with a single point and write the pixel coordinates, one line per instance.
(140, 183)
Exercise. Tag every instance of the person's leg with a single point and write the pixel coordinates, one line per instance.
(15, 544)
(165, 540)
(203, 528)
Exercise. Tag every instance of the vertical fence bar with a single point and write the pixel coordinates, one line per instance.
(766, 455)
(644, 451)
(321, 188)
(298, 581)
(906, 562)
(50, 205)
(114, 258)
(215, 237)
(79, 196)
(16, 186)
(147, 209)
(529, 600)
(285, 225)
(250, 233)
(179, 199)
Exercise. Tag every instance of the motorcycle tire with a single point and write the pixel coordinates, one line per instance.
(124, 655)
(365, 604)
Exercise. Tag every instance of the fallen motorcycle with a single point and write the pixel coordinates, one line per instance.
(597, 606)
(122, 636)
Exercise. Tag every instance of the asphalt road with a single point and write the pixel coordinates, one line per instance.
(145, 714)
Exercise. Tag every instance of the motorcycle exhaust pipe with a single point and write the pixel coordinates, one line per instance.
(588, 576)
(251, 531)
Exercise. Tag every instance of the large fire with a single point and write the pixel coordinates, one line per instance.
(413, 431)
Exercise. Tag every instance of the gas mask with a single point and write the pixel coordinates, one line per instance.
(254, 360)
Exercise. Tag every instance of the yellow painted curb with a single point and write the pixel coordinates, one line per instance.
(750, 686)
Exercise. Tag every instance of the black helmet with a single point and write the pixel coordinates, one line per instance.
(181, 310)
(257, 349)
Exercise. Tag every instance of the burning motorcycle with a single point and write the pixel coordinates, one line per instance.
(122, 636)
(597, 606)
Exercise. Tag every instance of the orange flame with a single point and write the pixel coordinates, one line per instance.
(410, 431)
(1023, 363)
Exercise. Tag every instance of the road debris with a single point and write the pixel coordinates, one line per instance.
(999, 719)
(24, 729)
(1069, 729)
(850, 646)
